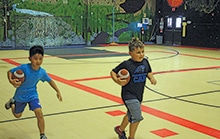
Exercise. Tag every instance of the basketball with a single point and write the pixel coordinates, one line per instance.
(18, 74)
(124, 74)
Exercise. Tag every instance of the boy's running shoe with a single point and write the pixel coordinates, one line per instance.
(9, 103)
(43, 137)
(121, 134)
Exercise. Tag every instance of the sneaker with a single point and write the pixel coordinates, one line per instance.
(43, 137)
(121, 134)
(9, 103)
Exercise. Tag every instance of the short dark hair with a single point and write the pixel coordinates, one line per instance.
(36, 49)
(135, 43)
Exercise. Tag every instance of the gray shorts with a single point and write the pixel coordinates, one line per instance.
(134, 110)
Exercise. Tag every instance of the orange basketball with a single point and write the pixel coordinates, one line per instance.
(18, 74)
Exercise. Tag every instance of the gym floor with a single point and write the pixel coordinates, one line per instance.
(183, 105)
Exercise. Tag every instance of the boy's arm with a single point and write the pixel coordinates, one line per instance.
(117, 79)
(54, 86)
(15, 82)
(150, 76)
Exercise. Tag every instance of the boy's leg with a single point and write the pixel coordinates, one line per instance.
(36, 107)
(40, 120)
(132, 130)
(134, 116)
(19, 107)
(120, 129)
(124, 123)
(17, 115)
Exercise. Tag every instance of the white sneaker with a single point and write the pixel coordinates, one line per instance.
(8, 104)
(43, 137)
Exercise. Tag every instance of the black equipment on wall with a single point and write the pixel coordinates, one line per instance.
(202, 27)
(132, 6)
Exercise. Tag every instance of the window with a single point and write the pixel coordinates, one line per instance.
(178, 22)
(169, 22)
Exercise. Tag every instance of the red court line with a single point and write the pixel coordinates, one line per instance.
(95, 54)
(159, 72)
(163, 115)
(206, 57)
(184, 70)
(183, 122)
(213, 58)
(99, 54)
(201, 48)
(87, 89)
(181, 46)
(11, 62)
(94, 78)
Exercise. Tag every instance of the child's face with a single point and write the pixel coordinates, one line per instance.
(36, 61)
(137, 54)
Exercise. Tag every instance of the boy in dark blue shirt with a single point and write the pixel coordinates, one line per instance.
(132, 91)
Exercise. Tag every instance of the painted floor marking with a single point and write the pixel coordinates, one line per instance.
(160, 114)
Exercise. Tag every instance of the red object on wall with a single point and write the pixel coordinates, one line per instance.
(175, 3)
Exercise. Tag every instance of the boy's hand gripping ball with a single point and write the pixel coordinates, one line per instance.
(124, 74)
(18, 74)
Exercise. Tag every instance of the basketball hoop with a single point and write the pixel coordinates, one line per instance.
(206, 6)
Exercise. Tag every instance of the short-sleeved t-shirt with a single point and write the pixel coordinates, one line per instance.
(28, 90)
(138, 73)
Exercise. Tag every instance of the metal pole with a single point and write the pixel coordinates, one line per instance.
(113, 24)
(86, 22)
(5, 5)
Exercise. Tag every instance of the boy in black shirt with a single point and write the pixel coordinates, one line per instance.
(132, 91)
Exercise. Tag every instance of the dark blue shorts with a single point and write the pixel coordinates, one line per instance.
(20, 106)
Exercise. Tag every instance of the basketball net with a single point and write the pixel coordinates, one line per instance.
(206, 6)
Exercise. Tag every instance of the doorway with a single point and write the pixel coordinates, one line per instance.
(173, 30)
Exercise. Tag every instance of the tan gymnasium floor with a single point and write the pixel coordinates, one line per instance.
(185, 103)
